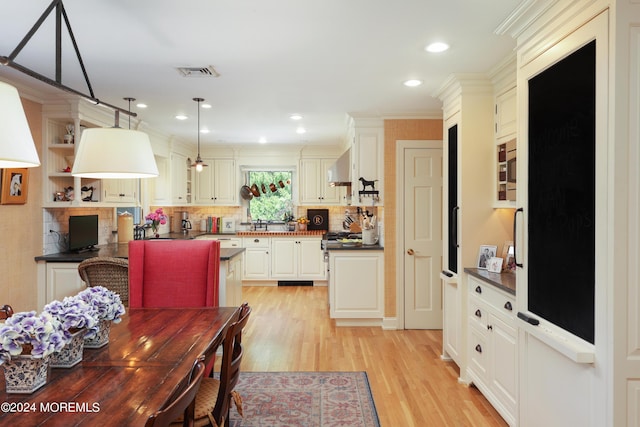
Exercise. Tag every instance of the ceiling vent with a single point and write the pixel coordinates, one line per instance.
(198, 71)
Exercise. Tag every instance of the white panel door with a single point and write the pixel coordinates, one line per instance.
(422, 237)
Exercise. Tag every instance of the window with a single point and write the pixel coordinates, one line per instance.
(275, 202)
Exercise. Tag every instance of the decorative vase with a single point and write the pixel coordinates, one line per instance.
(102, 336)
(302, 227)
(71, 354)
(25, 373)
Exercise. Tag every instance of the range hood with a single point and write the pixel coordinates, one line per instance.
(339, 174)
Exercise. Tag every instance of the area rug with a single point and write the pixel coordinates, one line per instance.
(305, 399)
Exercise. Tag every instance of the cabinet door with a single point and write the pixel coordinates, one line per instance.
(452, 321)
(178, 178)
(204, 184)
(506, 113)
(224, 182)
(63, 280)
(256, 264)
(367, 162)
(310, 259)
(309, 174)
(284, 259)
(356, 289)
(330, 195)
(159, 186)
(120, 190)
(504, 362)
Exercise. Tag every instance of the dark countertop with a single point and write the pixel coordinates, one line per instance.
(118, 250)
(505, 281)
(336, 246)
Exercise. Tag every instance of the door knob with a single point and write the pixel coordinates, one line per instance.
(410, 252)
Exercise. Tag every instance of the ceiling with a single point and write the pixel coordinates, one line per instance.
(322, 59)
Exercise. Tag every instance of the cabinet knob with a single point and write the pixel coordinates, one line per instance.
(478, 289)
(479, 348)
(489, 328)
(508, 306)
(478, 313)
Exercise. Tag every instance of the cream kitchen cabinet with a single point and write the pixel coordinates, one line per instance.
(180, 172)
(452, 339)
(492, 346)
(58, 152)
(216, 184)
(159, 187)
(120, 190)
(231, 289)
(356, 287)
(314, 187)
(297, 258)
(257, 258)
(367, 159)
(57, 280)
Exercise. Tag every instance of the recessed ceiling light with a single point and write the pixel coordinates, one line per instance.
(204, 130)
(413, 83)
(206, 105)
(181, 117)
(262, 140)
(295, 117)
(301, 130)
(436, 47)
(141, 105)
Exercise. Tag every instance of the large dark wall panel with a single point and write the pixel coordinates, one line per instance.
(561, 193)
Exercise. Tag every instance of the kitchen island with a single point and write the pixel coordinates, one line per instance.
(58, 273)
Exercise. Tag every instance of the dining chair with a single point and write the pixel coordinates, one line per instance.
(111, 273)
(213, 400)
(173, 273)
(5, 312)
(184, 404)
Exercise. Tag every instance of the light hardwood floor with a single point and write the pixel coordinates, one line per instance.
(290, 330)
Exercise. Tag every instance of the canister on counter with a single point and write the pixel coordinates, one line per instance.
(125, 227)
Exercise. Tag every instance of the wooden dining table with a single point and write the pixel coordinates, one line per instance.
(148, 356)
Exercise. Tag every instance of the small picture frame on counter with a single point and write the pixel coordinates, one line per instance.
(494, 265)
(485, 253)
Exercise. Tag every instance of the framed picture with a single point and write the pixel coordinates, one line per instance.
(485, 253)
(507, 254)
(15, 183)
(494, 265)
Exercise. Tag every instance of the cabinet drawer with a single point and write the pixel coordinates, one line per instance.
(502, 302)
(255, 242)
(478, 349)
(478, 314)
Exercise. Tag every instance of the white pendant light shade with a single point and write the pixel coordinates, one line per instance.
(114, 153)
(17, 149)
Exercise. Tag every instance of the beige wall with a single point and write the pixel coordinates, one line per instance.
(21, 232)
(394, 130)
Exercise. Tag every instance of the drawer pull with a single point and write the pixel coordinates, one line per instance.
(489, 328)
(478, 313)
(478, 348)
(256, 240)
(508, 306)
(478, 289)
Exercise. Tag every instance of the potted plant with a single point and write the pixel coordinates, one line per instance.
(106, 307)
(302, 223)
(27, 340)
(75, 317)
